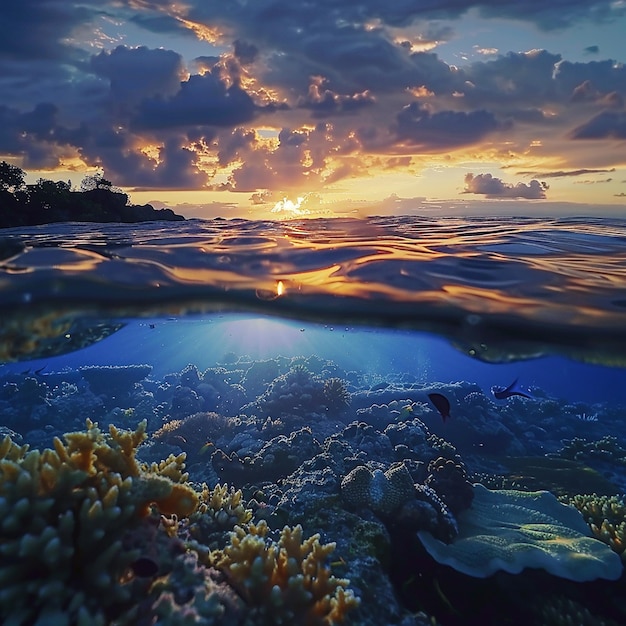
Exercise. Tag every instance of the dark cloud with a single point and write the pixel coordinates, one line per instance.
(605, 125)
(203, 100)
(150, 120)
(245, 52)
(592, 50)
(138, 73)
(445, 129)
(491, 187)
(324, 102)
(41, 29)
(562, 173)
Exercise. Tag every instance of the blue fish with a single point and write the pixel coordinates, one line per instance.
(502, 393)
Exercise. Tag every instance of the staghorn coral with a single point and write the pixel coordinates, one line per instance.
(189, 595)
(193, 432)
(285, 581)
(606, 516)
(65, 512)
(219, 511)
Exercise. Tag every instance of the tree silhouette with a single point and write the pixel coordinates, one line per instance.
(11, 177)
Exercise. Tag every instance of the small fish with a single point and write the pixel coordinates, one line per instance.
(206, 447)
(144, 567)
(441, 403)
(502, 393)
(407, 411)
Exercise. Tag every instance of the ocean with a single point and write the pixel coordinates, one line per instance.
(437, 404)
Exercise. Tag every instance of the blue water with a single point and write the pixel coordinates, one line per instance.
(393, 308)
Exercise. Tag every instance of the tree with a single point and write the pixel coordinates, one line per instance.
(11, 177)
(97, 181)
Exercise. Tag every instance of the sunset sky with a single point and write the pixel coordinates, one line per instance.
(238, 108)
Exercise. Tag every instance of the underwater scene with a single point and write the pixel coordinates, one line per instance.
(387, 421)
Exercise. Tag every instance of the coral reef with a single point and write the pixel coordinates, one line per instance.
(449, 479)
(562, 611)
(287, 581)
(606, 516)
(196, 434)
(382, 492)
(64, 514)
(607, 449)
(114, 380)
(219, 511)
(336, 394)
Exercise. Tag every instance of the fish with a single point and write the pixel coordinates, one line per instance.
(407, 411)
(144, 567)
(206, 447)
(442, 404)
(502, 393)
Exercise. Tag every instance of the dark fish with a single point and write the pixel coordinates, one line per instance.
(441, 403)
(145, 567)
(502, 393)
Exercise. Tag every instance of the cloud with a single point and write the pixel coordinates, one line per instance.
(138, 73)
(563, 173)
(592, 50)
(491, 187)
(415, 124)
(203, 100)
(605, 125)
(156, 117)
(324, 102)
(42, 30)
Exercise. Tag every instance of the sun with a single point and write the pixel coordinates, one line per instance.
(288, 207)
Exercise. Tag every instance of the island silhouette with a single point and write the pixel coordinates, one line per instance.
(47, 201)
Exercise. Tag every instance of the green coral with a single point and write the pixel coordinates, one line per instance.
(511, 530)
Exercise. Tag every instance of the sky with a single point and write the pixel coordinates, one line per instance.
(285, 108)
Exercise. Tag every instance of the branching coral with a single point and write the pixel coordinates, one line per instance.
(606, 516)
(64, 514)
(285, 581)
(219, 511)
(193, 432)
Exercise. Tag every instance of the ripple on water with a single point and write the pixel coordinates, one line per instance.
(530, 276)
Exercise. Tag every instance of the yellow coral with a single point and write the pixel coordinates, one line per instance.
(64, 514)
(287, 580)
(606, 516)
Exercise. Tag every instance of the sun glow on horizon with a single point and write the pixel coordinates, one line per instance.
(286, 206)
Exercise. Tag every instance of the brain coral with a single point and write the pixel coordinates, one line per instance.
(511, 530)
(65, 513)
(382, 492)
